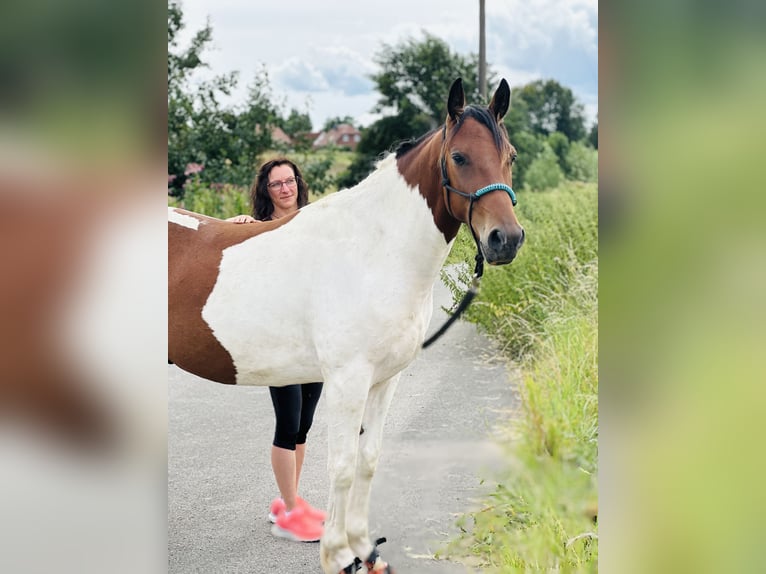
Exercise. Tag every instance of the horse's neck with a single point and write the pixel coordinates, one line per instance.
(387, 211)
(420, 167)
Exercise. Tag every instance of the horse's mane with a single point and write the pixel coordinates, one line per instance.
(480, 114)
(410, 144)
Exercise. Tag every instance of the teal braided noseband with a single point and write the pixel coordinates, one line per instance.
(493, 187)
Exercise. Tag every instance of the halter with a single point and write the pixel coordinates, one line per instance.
(479, 269)
(472, 197)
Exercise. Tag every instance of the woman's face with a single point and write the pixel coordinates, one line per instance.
(283, 189)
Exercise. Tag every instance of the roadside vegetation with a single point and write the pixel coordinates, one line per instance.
(543, 312)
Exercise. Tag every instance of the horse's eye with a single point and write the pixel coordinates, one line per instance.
(513, 159)
(459, 159)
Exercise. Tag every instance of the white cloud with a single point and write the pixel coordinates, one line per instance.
(322, 52)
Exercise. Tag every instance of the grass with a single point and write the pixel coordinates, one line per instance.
(544, 309)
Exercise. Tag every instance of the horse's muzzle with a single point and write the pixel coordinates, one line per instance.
(502, 246)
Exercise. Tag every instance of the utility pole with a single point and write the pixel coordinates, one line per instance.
(482, 54)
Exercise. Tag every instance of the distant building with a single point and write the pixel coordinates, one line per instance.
(342, 135)
(279, 136)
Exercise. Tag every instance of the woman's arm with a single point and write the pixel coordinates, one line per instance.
(241, 219)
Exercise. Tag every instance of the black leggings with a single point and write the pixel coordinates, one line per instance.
(294, 407)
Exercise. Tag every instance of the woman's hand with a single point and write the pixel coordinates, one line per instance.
(241, 219)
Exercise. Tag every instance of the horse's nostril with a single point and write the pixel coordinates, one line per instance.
(496, 239)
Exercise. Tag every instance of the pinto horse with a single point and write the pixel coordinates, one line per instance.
(341, 292)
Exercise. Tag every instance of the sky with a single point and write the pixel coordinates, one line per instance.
(319, 53)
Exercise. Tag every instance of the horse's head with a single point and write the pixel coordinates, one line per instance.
(475, 162)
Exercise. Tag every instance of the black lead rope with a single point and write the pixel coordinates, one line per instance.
(464, 303)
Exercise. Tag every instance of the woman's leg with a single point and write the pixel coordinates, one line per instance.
(287, 408)
(310, 393)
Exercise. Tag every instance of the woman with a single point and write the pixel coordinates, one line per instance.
(279, 190)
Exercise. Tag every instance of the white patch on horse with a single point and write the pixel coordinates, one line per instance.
(349, 280)
(182, 219)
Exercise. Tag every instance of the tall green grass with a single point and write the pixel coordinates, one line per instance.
(222, 201)
(541, 516)
(561, 244)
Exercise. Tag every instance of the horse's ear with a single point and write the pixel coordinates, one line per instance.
(456, 100)
(501, 100)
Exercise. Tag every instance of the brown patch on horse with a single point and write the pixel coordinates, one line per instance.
(419, 168)
(194, 259)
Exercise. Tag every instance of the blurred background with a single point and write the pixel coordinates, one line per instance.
(681, 292)
(82, 293)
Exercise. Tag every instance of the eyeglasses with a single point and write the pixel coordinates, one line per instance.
(275, 185)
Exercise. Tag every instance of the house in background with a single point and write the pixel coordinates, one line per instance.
(342, 135)
(279, 136)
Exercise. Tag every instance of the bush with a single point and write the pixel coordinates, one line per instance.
(583, 162)
(528, 146)
(544, 172)
(215, 200)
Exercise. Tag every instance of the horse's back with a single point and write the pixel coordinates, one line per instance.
(195, 247)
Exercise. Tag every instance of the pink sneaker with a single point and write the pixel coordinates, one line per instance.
(315, 513)
(297, 526)
(278, 507)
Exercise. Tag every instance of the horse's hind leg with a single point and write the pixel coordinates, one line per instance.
(378, 402)
(345, 396)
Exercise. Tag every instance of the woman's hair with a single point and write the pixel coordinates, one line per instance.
(263, 207)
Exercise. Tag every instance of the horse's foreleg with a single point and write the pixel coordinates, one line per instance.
(345, 396)
(376, 409)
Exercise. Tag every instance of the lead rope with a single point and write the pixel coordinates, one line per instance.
(473, 290)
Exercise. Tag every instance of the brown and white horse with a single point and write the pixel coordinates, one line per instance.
(342, 292)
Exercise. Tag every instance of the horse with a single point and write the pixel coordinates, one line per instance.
(342, 290)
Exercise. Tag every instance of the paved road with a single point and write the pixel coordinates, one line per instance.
(437, 448)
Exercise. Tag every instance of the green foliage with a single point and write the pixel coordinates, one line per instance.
(201, 129)
(544, 172)
(296, 123)
(544, 309)
(560, 146)
(582, 161)
(593, 136)
(316, 169)
(545, 106)
(217, 200)
(562, 243)
(416, 76)
(528, 146)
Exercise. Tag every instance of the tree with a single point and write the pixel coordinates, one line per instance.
(593, 135)
(544, 172)
(181, 65)
(545, 106)
(528, 147)
(416, 76)
(296, 123)
(560, 146)
(202, 129)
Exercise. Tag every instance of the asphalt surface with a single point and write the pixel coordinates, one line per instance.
(438, 448)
